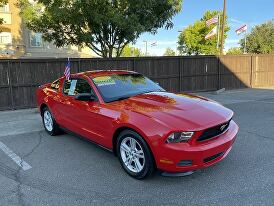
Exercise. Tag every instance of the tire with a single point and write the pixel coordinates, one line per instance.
(50, 125)
(137, 161)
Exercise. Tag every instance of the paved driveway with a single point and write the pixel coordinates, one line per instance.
(66, 170)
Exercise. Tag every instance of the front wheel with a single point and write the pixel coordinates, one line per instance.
(134, 155)
(50, 125)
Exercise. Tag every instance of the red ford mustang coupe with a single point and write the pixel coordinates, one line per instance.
(147, 127)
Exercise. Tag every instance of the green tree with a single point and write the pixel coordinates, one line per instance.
(192, 39)
(261, 39)
(235, 50)
(106, 26)
(129, 51)
(169, 52)
(2, 3)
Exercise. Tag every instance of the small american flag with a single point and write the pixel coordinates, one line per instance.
(67, 70)
(213, 20)
(154, 43)
(241, 29)
(211, 33)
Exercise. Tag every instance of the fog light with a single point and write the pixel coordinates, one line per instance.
(183, 163)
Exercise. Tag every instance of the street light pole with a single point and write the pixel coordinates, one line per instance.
(223, 28)
(218, 33)
(245, 43)
(146, 47)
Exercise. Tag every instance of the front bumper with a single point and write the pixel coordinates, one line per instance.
(196, 156)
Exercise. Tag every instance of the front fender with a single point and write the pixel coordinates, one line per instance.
(152, 130)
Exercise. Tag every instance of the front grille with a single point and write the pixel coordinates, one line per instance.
(214, 131)
(211, 158)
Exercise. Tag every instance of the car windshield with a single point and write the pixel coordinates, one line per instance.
(121, 86)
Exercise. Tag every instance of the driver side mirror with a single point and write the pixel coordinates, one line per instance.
(85, 97)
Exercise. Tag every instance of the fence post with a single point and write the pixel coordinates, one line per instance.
(180, 75)
(79, 65)
(10, 86)
(31, 86)
(133, 64)
(251, 71)
(219, 72)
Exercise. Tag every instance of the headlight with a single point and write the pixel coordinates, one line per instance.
(179, 137)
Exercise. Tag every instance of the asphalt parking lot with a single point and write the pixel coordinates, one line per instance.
(66, 170)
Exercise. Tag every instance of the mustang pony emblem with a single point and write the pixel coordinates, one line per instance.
(223, 127)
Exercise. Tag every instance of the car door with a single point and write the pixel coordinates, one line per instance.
(82, 117)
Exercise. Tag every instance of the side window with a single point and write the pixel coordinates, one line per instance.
(82, 86)
(76, 86)
(55, 85)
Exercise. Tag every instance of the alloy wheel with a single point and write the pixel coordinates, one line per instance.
(48, 122)
(132, 154)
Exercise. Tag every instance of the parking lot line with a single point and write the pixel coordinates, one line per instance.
(18, 160)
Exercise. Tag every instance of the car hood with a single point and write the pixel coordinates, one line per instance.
(179, 111)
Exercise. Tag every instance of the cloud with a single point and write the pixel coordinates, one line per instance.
(166, 42)
(235, 21)
(156, 51)
(180, 27)
(231, 41)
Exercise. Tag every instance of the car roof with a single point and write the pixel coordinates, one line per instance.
(96, 73)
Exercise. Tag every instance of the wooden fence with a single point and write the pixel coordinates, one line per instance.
(19, 78)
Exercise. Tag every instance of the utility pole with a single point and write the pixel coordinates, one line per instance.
(223, 28)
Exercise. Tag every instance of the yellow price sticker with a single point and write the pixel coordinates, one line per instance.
(103, 80)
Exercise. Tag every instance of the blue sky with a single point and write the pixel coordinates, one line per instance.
(239, 12)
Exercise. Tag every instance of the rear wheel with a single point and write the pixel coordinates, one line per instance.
(134, 155)
(50, 125)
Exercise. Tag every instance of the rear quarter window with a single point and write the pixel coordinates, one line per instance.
(55, 85)
(69, 87)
